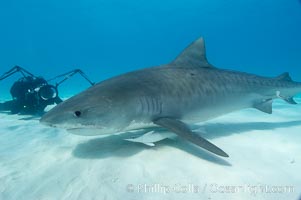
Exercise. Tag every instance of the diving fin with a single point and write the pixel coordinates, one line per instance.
(181, 129)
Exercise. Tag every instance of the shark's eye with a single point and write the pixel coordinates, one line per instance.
(77, 113)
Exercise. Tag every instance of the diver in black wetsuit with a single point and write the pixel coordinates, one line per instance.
(31, 95)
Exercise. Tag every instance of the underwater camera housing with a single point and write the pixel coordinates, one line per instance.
(47, 92)
(28, 85)
(32, 94)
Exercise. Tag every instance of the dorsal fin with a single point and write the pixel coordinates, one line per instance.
(193, 56)
(284, 77)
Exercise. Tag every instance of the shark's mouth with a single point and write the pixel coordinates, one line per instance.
(93, 130)
(87, 131)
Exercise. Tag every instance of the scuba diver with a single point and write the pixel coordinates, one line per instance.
(32, 94)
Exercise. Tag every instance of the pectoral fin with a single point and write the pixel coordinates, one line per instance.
(183, 131)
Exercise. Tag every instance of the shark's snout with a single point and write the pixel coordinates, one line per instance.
(73, 122)
(56, 117)
(48, 120)
(68, 117)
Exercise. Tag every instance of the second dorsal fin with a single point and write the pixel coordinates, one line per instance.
(284, 77)
(193, 56)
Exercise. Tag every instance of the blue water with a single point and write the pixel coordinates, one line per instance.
(106, 38)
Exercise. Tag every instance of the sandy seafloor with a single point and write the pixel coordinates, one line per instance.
(38, 162)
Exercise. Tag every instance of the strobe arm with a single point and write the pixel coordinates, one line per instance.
(68, 75)
(15, 70)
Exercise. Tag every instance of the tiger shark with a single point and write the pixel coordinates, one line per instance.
(171, 96)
